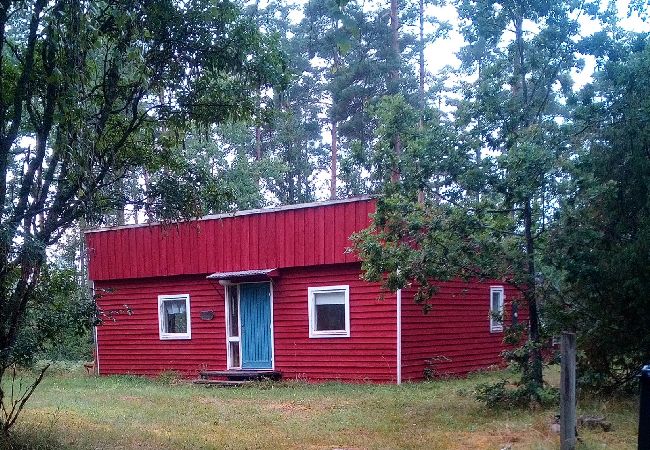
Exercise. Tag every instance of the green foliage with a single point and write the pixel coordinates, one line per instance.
(58, 322)
(601, 267)
(503, 395)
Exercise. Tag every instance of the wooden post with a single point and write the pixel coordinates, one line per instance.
(568, 392)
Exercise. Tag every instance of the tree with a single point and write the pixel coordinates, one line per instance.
(600, 269)
(498, 176)
(78, 112)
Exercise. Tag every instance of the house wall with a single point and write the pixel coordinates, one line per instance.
(370, 353)
(131, 343)
(264, 239)
(456, 330)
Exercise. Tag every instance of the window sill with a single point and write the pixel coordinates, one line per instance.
(321, 335)
(177, 336)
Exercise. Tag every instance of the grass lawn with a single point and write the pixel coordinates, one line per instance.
(73, 411)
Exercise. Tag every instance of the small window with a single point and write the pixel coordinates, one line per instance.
(496, 308)
(174, 316)
(329, 311)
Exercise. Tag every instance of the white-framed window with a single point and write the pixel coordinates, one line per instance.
(329, 311)
(497, 296)
(174, 316)
(233, 327)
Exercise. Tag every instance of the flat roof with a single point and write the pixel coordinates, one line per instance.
(239, 213)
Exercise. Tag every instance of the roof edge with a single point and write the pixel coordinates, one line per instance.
(245, 212)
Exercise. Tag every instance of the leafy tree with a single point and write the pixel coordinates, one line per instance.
(601, 258)
(79, 109)
(490, 192)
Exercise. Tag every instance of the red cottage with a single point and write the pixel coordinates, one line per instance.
(275, 289)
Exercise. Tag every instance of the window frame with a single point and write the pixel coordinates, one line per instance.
(496, 326)
(311, 302)
(229, 289)
(164, 336)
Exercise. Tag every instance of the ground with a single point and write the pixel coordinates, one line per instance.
(73, 411)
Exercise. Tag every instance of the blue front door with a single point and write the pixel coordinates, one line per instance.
(255, 316)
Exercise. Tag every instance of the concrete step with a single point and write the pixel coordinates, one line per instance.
(222, 383)
(241, 375)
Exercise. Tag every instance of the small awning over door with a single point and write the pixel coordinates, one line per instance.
(244, 275)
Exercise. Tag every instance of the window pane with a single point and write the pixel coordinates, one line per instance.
(496, 301)
(233, 316)
(175, 316)
(330, 317)
(329, 298)
(234, 354)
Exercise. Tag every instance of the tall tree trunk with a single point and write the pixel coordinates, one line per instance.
(395, 77)
(530, 294)
(421, 197)
(333, 162)
(258, 141)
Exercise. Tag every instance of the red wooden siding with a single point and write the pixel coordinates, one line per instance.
(370, 353)
(306, 236)
(458, 328)
(130, 344)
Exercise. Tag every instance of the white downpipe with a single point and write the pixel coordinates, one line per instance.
(399, 336)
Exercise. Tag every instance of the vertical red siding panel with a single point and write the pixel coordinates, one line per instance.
(270, 242)
(227, 240)
(254, 242)
(136, 238)
(309, 244)
(208, 235)
(329, 232)
(123, 254)
(236, 243)
(134, 251)
(350, 221)
(177, 249)
(276, 244)
(300, 228)
(200, 247)
(263, 238)
(156, 266)
(340, 238)
(166, 249)
(111, 247)
(289, 238)
(319, 230)
(146, 248)
(98, 256)
(193, 264)
(218, 245)
(245, 244)
(183, 250)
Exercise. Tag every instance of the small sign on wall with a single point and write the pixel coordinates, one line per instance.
(207, 315)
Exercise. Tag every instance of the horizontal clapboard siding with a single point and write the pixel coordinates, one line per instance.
(370, 351)
(130, 344)
(317, 234)
(456, 330)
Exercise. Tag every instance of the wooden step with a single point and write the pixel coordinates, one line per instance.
(222, 383)
(241, 375)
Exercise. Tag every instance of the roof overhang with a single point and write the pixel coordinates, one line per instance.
(243, 276)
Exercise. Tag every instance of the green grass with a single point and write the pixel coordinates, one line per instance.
(74, 411)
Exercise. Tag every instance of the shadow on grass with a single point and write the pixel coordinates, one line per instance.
(30, 439)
